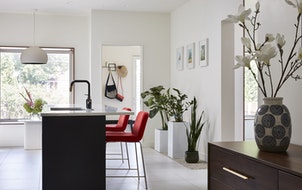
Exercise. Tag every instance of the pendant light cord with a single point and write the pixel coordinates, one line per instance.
(34, 22)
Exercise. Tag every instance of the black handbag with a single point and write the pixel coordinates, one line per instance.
(110, 87)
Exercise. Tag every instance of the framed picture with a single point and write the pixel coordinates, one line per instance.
(190, 56)
(180, 58)
(203, 53)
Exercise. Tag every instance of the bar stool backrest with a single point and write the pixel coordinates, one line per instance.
(140, 125)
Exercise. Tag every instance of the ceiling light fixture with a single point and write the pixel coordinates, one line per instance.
(34, 54)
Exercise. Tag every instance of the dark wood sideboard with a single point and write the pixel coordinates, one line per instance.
(241, 165)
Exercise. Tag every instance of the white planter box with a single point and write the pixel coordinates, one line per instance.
(33, 134)
(177, 139)
(161, 140)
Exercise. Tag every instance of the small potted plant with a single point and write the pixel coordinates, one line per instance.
(193, 132)
(33, 107)
(156, 100)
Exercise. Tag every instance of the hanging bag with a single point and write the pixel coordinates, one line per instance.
(120, 96)
(110, 87)
(121, 72)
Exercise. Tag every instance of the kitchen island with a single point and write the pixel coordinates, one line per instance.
(74, 149)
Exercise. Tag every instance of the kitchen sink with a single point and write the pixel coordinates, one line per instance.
(66, 109)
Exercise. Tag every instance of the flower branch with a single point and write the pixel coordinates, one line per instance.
(261, 54)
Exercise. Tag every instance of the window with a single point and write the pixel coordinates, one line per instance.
(48, 81)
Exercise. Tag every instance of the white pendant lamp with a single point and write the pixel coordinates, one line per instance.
(34, 54)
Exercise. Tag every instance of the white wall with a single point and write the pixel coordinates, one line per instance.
(149, 30)
(192, 22)
(274, 22)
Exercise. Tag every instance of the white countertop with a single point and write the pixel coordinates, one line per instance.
(85, 113)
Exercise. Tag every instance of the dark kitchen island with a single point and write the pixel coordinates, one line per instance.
(73, 149)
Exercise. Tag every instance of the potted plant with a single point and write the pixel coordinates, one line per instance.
(33, 107)
(193, 133)
(177, 105)
(156, 100)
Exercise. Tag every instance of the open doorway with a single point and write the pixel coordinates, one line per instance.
(130, 85)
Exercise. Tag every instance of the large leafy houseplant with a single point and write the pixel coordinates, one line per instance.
(177, 104)
(155, 100)
(195, 127)
(261, 53)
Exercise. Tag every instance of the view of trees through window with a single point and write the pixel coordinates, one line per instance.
(251, 92)
(48, 81)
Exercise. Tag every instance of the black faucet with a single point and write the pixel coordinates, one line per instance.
(88, 100)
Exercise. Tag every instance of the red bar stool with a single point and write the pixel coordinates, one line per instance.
(120, 126)
(135, 137)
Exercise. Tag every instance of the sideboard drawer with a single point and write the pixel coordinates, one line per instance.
(240, 172)
(215, 184)
(289, 181)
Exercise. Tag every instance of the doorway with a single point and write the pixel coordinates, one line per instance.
(128, 86)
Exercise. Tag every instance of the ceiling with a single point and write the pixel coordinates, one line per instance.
(84, 6)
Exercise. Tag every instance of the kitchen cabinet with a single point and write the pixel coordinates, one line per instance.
(241, 165)
(73, 149)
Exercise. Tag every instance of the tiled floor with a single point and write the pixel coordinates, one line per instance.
(21, 170)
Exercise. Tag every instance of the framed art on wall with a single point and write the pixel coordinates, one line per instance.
(180, 58)
(190, 56)
(203, 53)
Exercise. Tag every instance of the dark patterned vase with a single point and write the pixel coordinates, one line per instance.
(272, 126)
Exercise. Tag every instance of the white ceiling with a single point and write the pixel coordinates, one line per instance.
(84, 6)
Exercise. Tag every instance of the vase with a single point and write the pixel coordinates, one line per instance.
(192, 157)
(35, 116)
(272, 125)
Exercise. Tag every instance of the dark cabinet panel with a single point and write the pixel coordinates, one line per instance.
(288, 181)
(73, 153)
(240, 165)
(215, 184)
(240, 172)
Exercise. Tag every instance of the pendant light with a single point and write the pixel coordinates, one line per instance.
(34, 54)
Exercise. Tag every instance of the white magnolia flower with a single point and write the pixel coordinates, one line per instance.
(290, 3)
(261, 54)
(242, 15)
(266, 53)
(298, 5)
(280, 40)
(257, 6)
(246, 42)
(243, 61)
(269, 37)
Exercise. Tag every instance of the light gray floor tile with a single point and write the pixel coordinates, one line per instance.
(21, 170)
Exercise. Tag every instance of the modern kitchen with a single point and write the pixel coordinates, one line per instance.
(146, 37)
